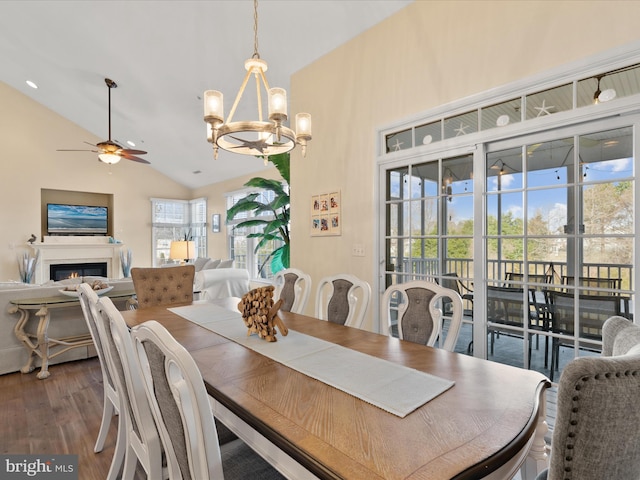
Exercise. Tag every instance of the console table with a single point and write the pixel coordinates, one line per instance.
(39, 344)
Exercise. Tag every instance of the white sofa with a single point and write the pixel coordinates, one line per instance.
(65, 322)
(221, 282)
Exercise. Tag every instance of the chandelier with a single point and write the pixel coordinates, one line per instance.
(255, 137)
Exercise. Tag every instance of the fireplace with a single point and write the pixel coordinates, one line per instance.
(73, 251)
(61, 271)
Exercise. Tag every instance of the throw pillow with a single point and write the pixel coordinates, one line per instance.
(200, 262)
(226, 264)
(211, 264)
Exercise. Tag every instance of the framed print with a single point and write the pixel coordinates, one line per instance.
(215, 223)
(326, 214)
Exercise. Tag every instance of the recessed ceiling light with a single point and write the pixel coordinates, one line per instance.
(195, 172)
(130, 143)
(31, 84)
(503, 120)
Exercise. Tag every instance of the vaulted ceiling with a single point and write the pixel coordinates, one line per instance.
(163, 55)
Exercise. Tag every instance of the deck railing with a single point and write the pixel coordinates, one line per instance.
(429, 267)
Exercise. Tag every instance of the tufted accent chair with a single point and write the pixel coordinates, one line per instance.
(343, 299)
(163, 286)
(415, 308)
(597, 430)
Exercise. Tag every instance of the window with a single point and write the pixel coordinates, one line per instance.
(242, 246)
(531, 190)
(172, 220)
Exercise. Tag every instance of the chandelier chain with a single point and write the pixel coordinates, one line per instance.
(255, 29)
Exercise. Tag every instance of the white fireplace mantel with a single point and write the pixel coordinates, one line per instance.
(72, 249)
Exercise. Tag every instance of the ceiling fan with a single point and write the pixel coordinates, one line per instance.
(109, 151)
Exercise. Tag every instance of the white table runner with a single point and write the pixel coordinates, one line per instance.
(392, 387)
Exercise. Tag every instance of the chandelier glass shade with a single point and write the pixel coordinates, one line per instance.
(255, 137)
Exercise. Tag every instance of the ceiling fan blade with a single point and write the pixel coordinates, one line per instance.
(67, 150)
(130, 151)
(134, 158)
(90, 144)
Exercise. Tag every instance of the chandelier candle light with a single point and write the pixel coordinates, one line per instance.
(255, 137)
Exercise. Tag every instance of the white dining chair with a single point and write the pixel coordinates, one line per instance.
(343, 299)
(111, 400)
(181, 408)
(142, 443)
(293, 287)
(415, 308)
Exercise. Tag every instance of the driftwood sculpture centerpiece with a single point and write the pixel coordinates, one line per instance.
(260, 314)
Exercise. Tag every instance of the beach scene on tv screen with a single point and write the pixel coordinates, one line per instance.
(76, 219)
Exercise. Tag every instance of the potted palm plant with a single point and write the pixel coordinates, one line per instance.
(276, 227)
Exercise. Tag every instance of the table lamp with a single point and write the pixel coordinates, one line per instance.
(182, 250)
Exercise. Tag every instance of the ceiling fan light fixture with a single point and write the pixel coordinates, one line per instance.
(255, 137)
(110, 158)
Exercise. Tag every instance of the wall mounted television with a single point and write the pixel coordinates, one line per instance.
(64, 219)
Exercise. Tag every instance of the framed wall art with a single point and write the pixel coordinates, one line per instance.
(326, 217)
(215, 223)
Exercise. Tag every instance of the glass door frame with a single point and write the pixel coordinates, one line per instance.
(571, 129)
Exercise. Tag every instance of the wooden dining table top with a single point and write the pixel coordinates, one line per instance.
(468, 431)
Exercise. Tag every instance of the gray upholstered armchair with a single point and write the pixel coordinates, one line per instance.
(597, 430)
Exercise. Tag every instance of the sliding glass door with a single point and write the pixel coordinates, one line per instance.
(537, 231)
(429, 222)
(560, 234)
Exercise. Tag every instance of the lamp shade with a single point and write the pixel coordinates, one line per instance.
(182, 250)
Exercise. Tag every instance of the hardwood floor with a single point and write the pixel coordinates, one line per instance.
(58, 415)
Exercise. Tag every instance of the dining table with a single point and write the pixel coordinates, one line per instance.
(489, 422)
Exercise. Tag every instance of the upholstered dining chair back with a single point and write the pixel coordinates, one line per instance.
(597, 429)
(293, 287)
(163, 286)
(181, 408)
(620, 336)
(142, 440)
(416, 309)
(110, 401)
(343, 299)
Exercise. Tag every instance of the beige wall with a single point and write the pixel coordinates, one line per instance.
(30, 135)
(428, 54)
